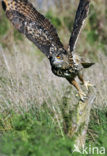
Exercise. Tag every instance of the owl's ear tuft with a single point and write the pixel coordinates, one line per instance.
(4, 5)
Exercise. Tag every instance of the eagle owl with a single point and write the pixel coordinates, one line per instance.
(42, 33)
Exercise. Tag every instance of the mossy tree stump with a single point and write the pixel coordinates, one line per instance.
(78, 119)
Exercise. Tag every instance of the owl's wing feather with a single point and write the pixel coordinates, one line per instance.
(32, 30)
(32, 24)
(81, 15)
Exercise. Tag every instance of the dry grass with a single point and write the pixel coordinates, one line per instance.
(26, 80)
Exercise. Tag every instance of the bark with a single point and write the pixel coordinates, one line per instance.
(79, 119)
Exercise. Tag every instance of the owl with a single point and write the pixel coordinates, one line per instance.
(38, 29)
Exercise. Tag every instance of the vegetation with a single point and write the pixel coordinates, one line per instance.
(35, 133)
(32, 99)
(3, 26)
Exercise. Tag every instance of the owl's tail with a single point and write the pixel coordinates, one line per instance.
(87, 65)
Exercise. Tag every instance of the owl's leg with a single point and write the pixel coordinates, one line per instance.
(87, 84)
(75, 84)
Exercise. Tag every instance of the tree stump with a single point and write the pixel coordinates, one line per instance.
(79, 119)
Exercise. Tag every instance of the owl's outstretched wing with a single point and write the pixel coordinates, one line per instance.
(81, 15)
(32, 24)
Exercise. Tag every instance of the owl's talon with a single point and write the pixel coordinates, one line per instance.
(87, 84)
(82, 95)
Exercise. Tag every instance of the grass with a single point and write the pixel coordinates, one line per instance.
(97, 128)
(3, 26)
(35, 132)
(32, 99)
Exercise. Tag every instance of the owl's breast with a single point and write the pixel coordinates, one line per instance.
(65, 73)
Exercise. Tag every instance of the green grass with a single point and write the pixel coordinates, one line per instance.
(98, 124)
(18, 35)
(35, 133)
(54, 20)
(4, 25)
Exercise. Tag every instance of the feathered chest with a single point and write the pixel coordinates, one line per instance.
(70, 72)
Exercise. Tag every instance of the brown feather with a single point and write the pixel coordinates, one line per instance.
(80, 17)
(34, 25)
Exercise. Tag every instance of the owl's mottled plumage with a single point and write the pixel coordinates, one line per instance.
(42, 33)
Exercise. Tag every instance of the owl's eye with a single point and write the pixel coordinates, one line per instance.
(58, 57)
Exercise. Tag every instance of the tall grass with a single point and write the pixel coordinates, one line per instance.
(27, 84)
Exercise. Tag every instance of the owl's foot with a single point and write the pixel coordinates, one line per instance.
(80, 92)
(87, 84)
(82, 95)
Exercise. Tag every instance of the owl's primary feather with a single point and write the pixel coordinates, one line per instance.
(42, 33)
(80, 17)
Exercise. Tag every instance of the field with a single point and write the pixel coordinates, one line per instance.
(32, 99)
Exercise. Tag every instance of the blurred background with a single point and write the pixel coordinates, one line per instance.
(26, 80)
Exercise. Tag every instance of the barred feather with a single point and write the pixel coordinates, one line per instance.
(34, 25)
(80, 17)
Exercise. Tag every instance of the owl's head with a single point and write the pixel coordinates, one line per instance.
(59, 59)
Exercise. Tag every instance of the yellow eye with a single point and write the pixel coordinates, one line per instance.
(58, 57)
